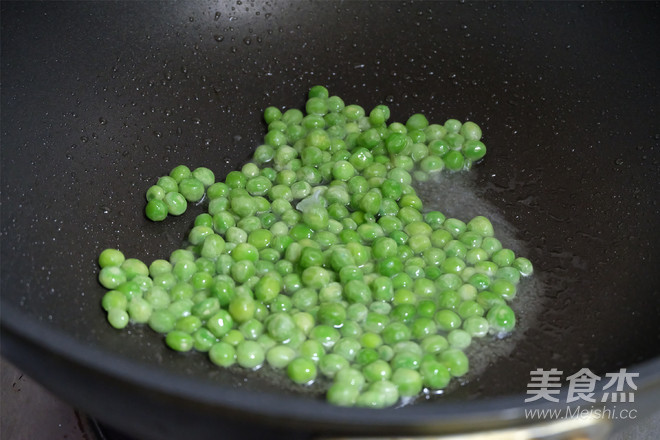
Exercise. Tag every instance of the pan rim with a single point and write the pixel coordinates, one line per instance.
(278, 406)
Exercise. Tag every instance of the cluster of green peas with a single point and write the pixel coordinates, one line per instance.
(318, 259)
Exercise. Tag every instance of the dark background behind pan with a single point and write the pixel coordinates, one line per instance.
(98, 99)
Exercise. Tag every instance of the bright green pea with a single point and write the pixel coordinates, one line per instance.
(156, 210)
(242, 308)
(377, 370)
(222, 354)
(203, 340)
(111, 277)
(279, 356)
(524, 266)
(456, 361)
(341, 394)
(325, 334)
(220, 323)
(301, 370)
(133, 267)
(447, 320)
(114, 299)
(460, 339)
(434, 344)
(111, 257)
(330, 364)
(312, 350)
(408, 381)
(162, 321)
(179, 341)
(179, 173)
(476, 326)
(118, 318)
(250, 354)
(501, 318)
(251, 329)
(435, 375)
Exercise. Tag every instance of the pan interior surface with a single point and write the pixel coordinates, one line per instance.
(99, 99)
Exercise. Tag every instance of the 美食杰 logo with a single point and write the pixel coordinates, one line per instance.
(599, 395)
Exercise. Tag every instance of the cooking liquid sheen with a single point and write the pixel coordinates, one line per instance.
(456, 195)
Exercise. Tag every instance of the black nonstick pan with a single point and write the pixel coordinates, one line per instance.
(101, 98)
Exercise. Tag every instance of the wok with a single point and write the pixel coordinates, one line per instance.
(101, 98)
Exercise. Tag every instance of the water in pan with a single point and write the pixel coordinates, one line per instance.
(456, 195)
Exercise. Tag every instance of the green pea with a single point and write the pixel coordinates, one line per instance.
(342, 395)
(301, 370)
(222, 354)
(455, 360)
(111, 257)
(408, 381)
(179, 341)
(250, 354)
(118, 318)
(279, 356)
(501, 318)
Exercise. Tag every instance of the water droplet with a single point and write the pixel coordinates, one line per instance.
(102, 121)
(84, 138)
(217, 15)
(247, 41)
(219, 38)
(105, 210)
(196, 121)
(619, 161)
